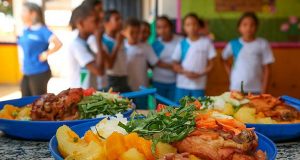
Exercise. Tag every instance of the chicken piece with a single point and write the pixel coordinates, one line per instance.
(172, 156)
(61, 107)
(206, 145)
(274, 108)
(264, 102)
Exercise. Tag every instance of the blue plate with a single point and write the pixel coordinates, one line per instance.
(278, 132)
(37, 130)
(281, 132)
(265, 144)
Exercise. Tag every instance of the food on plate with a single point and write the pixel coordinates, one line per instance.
(171, 133)
(70, 104)
(264, 108)
(269, 106)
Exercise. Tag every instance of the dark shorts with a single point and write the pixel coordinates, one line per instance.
(36, 84)
(118, 84)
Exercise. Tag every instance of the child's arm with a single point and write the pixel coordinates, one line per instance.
(177, 67)
(266, 77)
(227, 66)
(194, 75)
(226, 58)
(111, 58)
(165, 65)
(52, 48)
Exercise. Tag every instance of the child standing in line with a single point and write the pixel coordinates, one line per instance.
(145, 32)
(252, 57)
(114, 52)
(192, 59)
(80, 56)
(139, 55)
(164, 77)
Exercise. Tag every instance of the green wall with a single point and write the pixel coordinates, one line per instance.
(223, 25)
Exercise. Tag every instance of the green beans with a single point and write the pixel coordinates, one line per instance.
(91, 106)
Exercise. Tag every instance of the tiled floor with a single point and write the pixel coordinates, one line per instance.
(55, 85)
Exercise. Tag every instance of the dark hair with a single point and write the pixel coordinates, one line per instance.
(91, 3)
(193, 15)
(79, 13)
(248, 15)
(108, 14)
(132, 22)
(32, 7)
(144, 23)
(165, 18)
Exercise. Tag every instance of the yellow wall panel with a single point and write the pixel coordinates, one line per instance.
(9, 65)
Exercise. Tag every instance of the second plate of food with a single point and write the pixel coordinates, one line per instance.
(38, 117)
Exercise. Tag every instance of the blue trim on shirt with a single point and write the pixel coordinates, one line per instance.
(158, 47)
(184, 44)
(108, 43)
(236, 47)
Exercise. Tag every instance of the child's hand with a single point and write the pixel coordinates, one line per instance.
(120, 37)
(99, 33)
(192, 75)
(178, 68)
(43, 56)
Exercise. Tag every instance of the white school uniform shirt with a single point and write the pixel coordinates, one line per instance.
(120, 66)
(78, 57)
(102, 81)
(164, 51)
(196, 60)
(248, 66)
(138, 57)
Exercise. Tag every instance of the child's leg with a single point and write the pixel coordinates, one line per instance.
(171, 92)
(141, 102)
(180, 93)
(118, 83)
(25, 86)
(198, 93)
(161, 89)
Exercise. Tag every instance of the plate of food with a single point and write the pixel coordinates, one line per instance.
(276, 117)
(169, 133)
(38, 117)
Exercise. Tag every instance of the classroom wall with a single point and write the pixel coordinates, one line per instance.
(223, 24)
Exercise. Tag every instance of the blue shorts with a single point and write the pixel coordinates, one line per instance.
(180, 93)
(141, 102)
(166, 90)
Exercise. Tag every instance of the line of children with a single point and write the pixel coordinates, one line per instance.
(180, 65)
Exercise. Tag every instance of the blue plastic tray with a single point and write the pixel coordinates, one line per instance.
(36, 130)
(265, 144)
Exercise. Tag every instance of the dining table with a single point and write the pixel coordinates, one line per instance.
(18, 149)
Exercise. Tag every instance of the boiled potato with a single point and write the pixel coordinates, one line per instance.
(163, 149)
(228, 109)
(192, 157)
(246, 115)
(94, 151)
(69, 142)
(266, 120)
(24, 114)
(132, 154)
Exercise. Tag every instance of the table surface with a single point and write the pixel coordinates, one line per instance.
(11, 149)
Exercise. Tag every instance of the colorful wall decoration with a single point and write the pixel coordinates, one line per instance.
(273, 15)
